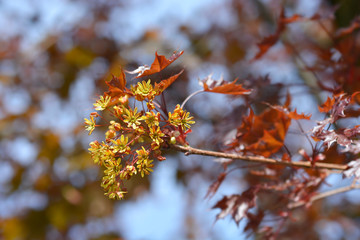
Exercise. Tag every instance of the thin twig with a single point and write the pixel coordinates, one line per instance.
(190, 150)
(324, 195)
(190, 96)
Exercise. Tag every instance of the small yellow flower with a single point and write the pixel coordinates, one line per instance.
(102, 103)
(151, 119)
(150, 105)
(109, 181)
(124, 100)
(144, 164)
(127, 172)
(114, 190)
(120, 145)
(116, 194)
(139, 131)
(132, 118)
(156, 136)
(118, 111)
(143, 90)
(114, 126)
(95, 151)
(90, 124)
(180, 118)
(110, 134)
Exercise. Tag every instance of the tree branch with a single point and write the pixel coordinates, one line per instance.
(190, 150)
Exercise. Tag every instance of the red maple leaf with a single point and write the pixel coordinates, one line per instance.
(167, 82)
(296, 116)
(262, 134)
(285, 109)
(269, 41)
(327, 106)
(117, 86)
(266, 145)
(228, 88)
(159, 64)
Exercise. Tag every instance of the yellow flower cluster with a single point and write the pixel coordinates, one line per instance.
(135, 135)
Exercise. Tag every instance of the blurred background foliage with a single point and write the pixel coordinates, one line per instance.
(54, 58)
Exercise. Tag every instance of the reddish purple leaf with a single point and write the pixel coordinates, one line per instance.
(215, 185)
(237, 205)
(354, 169)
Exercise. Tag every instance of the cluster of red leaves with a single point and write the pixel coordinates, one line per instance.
(297, 189)
(264, 135)
(344, 74)
(342, 59)
(335, 108)
(261, 135)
